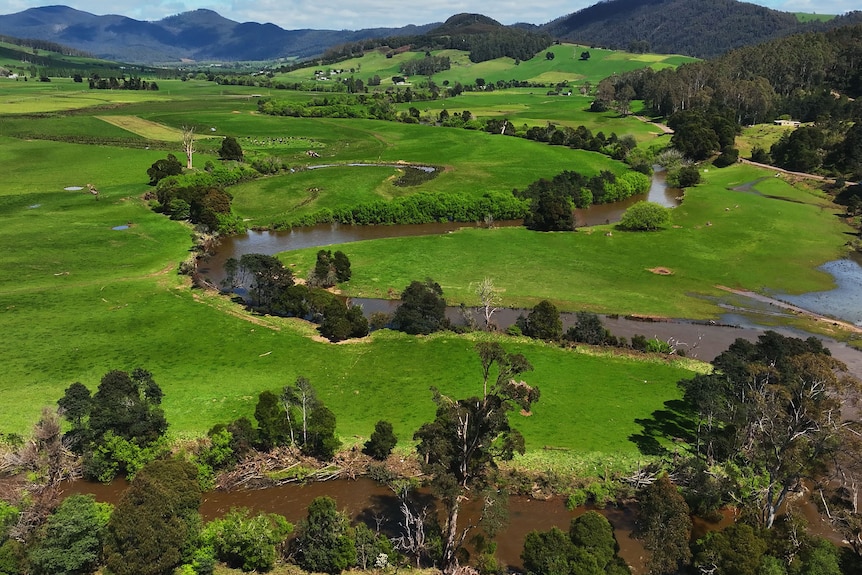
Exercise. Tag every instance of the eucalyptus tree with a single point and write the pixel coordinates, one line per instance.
(459, 449)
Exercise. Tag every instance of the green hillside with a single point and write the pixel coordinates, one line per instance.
(566, 65)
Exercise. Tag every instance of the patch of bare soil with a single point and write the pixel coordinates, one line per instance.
(661, 271)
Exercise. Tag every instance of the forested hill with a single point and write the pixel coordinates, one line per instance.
(197, 35)
(701, 28)
(484, 38)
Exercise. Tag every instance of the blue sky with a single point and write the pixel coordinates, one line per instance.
(358, 14)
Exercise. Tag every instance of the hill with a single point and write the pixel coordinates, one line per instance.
(700, 28)
(196, 35)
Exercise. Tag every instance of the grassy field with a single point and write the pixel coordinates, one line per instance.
(718, 237)
(80, 298)
(762, 135)
(565, 67)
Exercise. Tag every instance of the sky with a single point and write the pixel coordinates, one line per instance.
(359, 14)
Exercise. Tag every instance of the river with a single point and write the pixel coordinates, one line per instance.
(366, 500)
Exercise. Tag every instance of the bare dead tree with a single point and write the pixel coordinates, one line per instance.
(489, 297)
(412, 540)
(188, 144)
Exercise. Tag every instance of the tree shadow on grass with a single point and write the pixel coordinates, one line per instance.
(666, 427)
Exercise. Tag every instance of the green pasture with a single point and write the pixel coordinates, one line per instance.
(526, 107)
(809, 17)
(471, 163)
(565, 67)
(79, 298)
(34, 97)
(763, 135)
(719, 237)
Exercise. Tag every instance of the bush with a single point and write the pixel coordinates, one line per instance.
(729, 156)
(688, 176)
(543, 322)
(324, 544)
(247, 542)
(645, 216)
(382, 441)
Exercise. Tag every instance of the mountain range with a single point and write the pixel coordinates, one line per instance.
(702, 28)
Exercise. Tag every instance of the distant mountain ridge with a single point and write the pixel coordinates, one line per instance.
(701, 28)
(196, 35)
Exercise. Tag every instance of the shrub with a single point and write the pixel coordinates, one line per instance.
(380, 445)
(247, 542)
(645, 216)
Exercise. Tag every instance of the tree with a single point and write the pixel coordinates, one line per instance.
(161, 169)
(323, 274)
(265, 276)
(76, 403)
(588, 329)
(550, 209)
(550, 55)
(381, 442)
(543, 322)
(489, 299)
(460, 447)
(773, 404)
(736, 549)
(272, 421)
(585, 55)
(230, 149)
(422, 309)
(129, 406)
(330, 269)
(664, 525)
(688, 176)
(70, 542)
(645, 216)
(156, 520)
(188, 138)
(589, 547)
(245, 541)
(342, 266)
(323, 543)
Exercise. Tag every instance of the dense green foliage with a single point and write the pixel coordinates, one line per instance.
(664, 525)
(543, 322)
(245, 541)
(70, 541)
(589, 547)
(422, 309)
(156, 523)
(230, 149)
(323, 543)
(552, 201)
(381, 442)
(270, 287)
(703, 28)
(768, 408)
(117, 429)
(645, 216)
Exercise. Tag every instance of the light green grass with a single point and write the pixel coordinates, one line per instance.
(566, 66)
(762, 135)
(719, 237)
(78, 298)
(812, 17)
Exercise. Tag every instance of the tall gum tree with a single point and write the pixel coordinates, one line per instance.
(459, 449)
